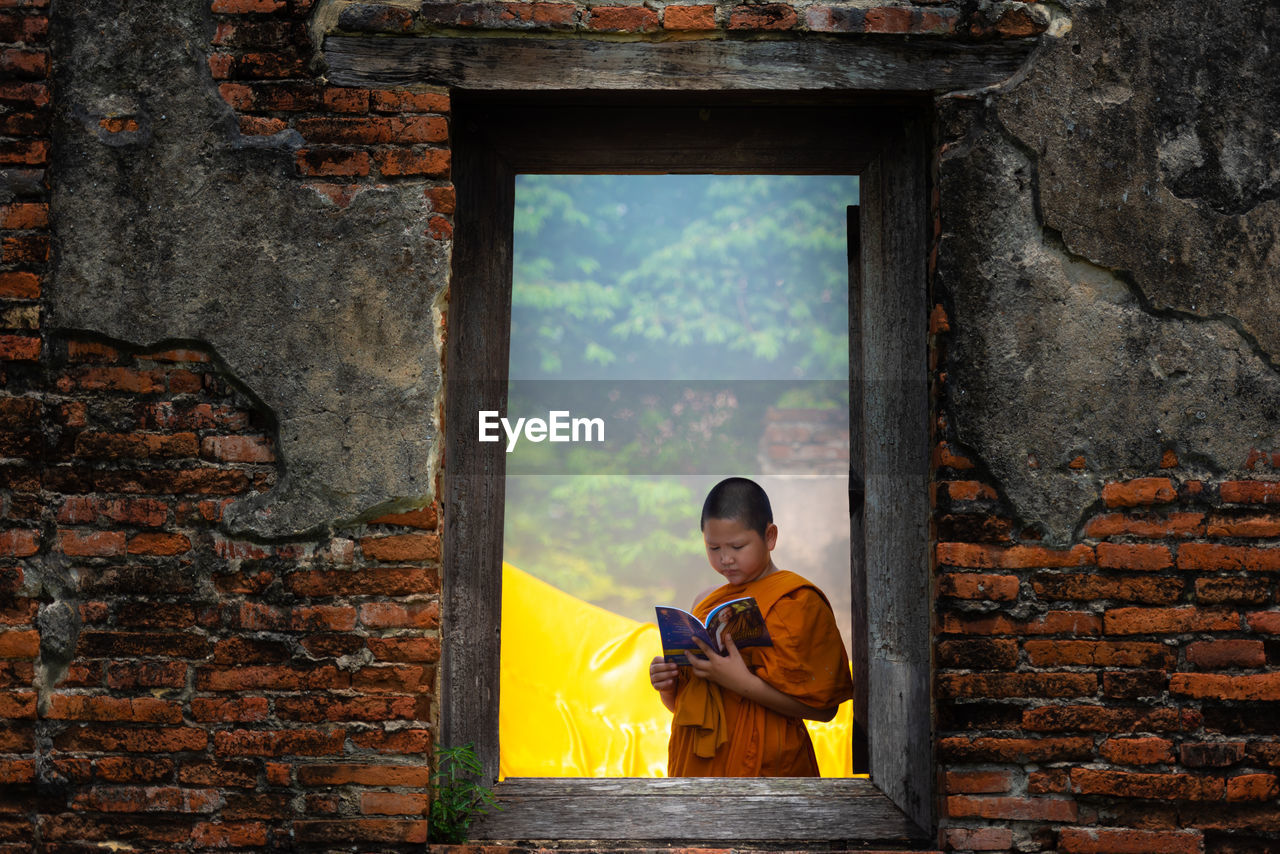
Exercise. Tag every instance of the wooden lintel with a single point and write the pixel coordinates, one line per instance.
(866, 64)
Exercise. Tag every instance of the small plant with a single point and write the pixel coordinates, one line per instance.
(456, 798)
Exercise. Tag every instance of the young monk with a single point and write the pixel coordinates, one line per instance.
(742, 714)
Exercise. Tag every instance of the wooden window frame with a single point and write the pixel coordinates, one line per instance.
(887, 146)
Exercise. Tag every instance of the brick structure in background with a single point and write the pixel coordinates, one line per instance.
(168, 688)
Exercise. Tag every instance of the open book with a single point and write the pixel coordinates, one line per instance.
(740, 618)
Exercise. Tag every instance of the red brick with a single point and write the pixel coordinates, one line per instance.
(1132, 784)
(271, 678)
(25, 152)
(131, 675)
(158, 544)
(17, 705)
(128, 739)
(118, 379)
(364, 830)
(401, 581)
(1211, 754)
(1138, 621)
(1267, 525)
(261, 125)
(764, 16)
(1109, 719)
(998, 588)
(1072, 623)
(972, 654)
(1017, 685)
(222, 709)
(1208, 556)
(1137, 751)
(387, 615)
(429, 162)
(945, 457)
(135, 445)
(410, 742)
(401, 101)
(19, 542)
(1124, 840)
(78, 707)
(120, 644)
(393, 803)
(1221, 591)
(1133, 556)
(317, 708)
(148, 799)
(1086, 653)
(626, 19)
(1011, 809)
(976, 556)
(411, 776)
(1253, 787)
(225, 834)
(240, 773)
(24, 215)
(1227, 653)
(294, 742)
(18, 643)
(1265, 622)
(1142, 491)
(967, 490)
(1258, 686)
(978, 782)
(691, 18)
(1250, 492)
(1146, 524)
(19, 348)
(17, 771)
(402, 548)
(400, 678)
(19, 285)
(405, 649)
(323, 161)
(132, 769)
(87, 509)
(979, 838)
(1156, 590)
(374, 130)
(27, 63)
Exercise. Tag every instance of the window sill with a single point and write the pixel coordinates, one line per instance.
(715, 810)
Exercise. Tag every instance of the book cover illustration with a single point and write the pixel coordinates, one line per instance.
(740, 618)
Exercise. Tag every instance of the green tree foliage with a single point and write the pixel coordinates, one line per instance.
(681, 277)
(702, 279)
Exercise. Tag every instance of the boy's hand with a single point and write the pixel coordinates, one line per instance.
(727, 671)
(662, 676)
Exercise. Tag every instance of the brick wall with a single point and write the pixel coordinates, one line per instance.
(165, 687)
(1117, 695)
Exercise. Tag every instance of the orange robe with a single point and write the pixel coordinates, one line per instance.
(807, 662)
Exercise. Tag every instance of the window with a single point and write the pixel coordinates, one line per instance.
(494, 139)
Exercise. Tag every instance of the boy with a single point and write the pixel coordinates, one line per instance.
(742, 714)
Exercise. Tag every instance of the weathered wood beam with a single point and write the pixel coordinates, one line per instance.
(710, 810)
(540, 64)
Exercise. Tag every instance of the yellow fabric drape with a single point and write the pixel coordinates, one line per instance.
(576, 700)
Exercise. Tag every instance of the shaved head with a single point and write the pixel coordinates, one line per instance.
(739, 499)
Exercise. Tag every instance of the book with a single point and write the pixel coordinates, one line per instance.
(740, 618)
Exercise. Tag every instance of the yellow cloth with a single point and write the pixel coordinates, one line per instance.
(576, 699)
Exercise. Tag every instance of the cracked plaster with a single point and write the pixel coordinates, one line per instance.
(176, 227)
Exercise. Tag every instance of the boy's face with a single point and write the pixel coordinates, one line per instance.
(736, 551)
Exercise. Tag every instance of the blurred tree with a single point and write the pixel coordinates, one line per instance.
(700, 279)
